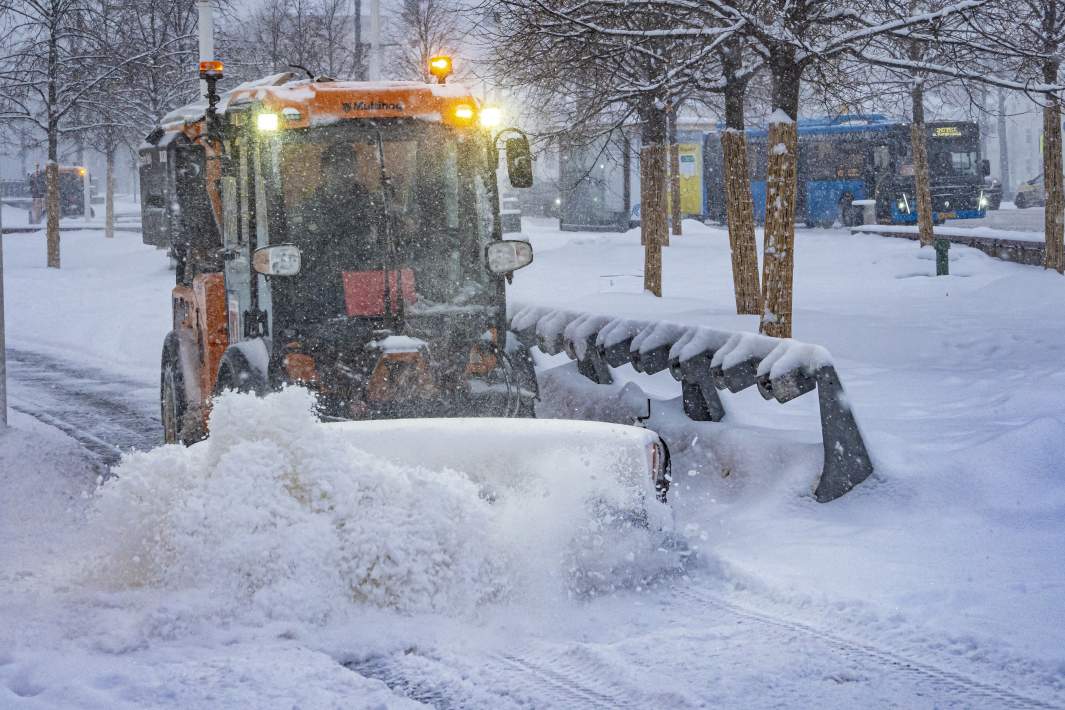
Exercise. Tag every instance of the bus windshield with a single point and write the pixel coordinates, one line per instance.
(953, 161)
(434, 199)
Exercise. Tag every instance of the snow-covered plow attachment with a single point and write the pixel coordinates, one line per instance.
(623, 467)
(705, 362)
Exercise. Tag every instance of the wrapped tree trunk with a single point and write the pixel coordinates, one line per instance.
(109, 198)
(739, 208)
(779, 260)
(653, 228)
(919, 141)
(1055, 201)
(674, 174)
(778, 263)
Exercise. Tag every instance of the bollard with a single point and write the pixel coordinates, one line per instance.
(942, 247)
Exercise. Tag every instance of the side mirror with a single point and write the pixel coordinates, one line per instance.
(277, 260)
(508, 255)
(986, 167)
(519, 162)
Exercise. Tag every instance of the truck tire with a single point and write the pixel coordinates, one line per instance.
(172, 391)
(235, 372)
(1019, 201)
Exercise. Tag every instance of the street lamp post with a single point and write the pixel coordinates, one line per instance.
(3, 343)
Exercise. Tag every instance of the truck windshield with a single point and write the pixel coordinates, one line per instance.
(336, 207)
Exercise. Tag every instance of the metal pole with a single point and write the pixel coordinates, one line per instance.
(206, 32)
(375, 40)
(3, 340)
(357, 72)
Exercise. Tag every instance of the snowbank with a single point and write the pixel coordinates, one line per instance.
(284, 515)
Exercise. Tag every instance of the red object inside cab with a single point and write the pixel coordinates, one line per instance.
(364, 291)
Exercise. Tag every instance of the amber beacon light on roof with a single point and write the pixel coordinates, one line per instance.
(440, 66)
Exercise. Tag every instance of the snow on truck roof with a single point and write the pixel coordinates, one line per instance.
(304, 102)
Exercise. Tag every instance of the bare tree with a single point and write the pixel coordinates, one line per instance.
(46, 70)
(315, 34)
(599, 65)
(422, 29)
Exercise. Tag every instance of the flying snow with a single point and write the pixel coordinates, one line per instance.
(277, 513)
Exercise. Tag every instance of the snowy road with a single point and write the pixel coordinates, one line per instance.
(729, 651)
(105, 412)
(1030, 219)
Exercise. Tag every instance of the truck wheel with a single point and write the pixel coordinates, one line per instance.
(172, 391)
(1019, 202)
(236, 373)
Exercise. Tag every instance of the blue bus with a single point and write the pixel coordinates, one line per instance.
(849, 158)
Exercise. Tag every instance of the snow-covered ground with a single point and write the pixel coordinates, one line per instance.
(208, 580)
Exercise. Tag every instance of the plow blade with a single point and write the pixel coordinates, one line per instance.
(706, 361)
(622, 466)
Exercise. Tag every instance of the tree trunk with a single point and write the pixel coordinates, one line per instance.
(674, 174)
(1003, 149)
(739, 207)
(109, 197)
(1055, 202)
(52, 168)
(51, 171)
(653, 227)
(919, 142)
(626, 177)
(782, 144)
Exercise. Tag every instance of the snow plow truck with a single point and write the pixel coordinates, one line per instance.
(341, 235)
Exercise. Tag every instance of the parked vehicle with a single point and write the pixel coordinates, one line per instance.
(71, 192)
(1031, 193)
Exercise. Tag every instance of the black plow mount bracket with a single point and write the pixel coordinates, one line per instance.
(705, 362)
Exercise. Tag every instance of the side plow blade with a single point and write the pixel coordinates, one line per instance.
(705, 362)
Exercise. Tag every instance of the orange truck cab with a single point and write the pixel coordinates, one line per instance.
(341, 235)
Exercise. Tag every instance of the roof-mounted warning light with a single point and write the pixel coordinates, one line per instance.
(211, 69)
(440, 67)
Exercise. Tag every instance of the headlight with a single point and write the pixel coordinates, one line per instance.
(983, 202)
(266, 122)
(491, 116)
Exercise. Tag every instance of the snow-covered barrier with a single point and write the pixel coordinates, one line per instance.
(706, 361)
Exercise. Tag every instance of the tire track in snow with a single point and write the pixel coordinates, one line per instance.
(957, 687)
(496, 681)
(107, 414)
(576, 675)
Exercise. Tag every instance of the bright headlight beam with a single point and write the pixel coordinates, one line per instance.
(491, 116)
(266, 122)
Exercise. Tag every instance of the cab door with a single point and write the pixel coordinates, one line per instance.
(238, 218)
